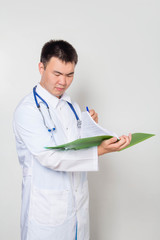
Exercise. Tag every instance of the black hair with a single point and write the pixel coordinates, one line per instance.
(60, 49)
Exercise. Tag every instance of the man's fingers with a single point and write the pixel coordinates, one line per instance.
(96, 118)
(130, 137)
(128, 140)
(94, 115)
(91, 111)
(122, 141)
(112, 140)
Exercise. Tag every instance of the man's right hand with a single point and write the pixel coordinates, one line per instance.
(112, 145)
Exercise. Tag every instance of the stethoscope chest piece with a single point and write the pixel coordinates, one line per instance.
(79, 123)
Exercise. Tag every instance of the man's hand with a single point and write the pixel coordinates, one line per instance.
(94, 115)
(112, 145)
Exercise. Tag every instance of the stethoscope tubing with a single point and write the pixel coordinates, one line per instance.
(35, 94)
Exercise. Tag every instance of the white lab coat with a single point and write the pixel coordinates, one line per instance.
(54, 188)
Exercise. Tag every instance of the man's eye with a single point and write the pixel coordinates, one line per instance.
(57, 74)
(70, 75)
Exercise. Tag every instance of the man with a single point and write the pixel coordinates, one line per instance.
(55, 187)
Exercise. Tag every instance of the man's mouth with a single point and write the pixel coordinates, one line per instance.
(59, 89)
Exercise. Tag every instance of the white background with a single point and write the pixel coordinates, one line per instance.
(118, 75)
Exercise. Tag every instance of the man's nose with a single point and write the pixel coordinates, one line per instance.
(62, 79)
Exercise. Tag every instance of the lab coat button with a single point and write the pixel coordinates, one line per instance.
(67, 128)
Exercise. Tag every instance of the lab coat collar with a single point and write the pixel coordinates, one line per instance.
(49, 98)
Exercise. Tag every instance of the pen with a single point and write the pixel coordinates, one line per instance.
(87, 109)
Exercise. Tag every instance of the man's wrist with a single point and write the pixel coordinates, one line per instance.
(101, 150)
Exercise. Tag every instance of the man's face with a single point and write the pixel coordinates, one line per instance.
(57, 76)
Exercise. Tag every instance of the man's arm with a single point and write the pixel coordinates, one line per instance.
(31, 133)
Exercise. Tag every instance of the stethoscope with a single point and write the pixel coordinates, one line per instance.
(44, 102)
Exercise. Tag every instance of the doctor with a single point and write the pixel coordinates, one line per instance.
(54, 186)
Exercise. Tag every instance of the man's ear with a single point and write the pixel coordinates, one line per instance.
(41, 67)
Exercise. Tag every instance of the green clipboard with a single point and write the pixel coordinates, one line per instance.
(96, 141)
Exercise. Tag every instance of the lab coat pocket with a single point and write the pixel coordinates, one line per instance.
(49, 207)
